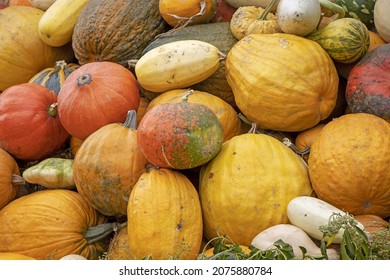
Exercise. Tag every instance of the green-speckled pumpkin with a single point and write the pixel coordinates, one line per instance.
(346, 40)
(180, 135)
(362, 10)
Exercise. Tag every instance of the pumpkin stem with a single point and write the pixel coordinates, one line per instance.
(187, 95)
(101, 231)
(336, 9)
(289, 144)
(60, 65)
(268, 9)
(131, 63)
(131, 120)
(84, 80)
(17, 180)
(53, 110)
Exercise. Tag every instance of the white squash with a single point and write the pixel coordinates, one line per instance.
(295, 237)
(298, 17)
(177, 65)
(309, 213)
(382, 19)
(72, 257)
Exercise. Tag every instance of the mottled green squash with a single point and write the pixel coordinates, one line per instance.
(362, 10)
(116, 30)
(346, 40)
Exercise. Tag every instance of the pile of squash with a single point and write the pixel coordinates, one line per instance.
(147, 129)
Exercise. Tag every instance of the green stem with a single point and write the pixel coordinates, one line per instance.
(101, 231)
(333, 7)
(267, 9)
(53, 110)
(131, 120)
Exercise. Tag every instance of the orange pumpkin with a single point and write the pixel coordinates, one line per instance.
(20, 3)
(9, 173)
(372, 223)
(349, 164)
(74, 145)
(30, 127)
(305, 138)
(187, 12)
(96, 94)
(107, 166)
(224, 111)
(50, 224)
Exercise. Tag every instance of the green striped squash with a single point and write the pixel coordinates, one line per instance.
(346, 40)
(362, 10)
(53, 77)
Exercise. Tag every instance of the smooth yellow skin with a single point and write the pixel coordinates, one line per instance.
(57, 23)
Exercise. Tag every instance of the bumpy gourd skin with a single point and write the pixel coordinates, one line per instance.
(104, 33)
(349, 164)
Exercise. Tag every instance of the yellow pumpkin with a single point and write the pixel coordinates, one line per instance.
(247, 186)
(349, 164)
(282, 81)
(22, 52)
(224, 111)
(164, 216)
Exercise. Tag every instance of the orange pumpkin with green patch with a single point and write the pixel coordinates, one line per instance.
(180, 135)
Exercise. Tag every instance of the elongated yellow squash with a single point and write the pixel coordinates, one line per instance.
(177, 65)
(57, 23)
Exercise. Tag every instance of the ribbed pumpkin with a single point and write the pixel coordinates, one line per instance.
(368, 84)
(9, 177)
(96, 94)
(180, 135)
(19, 33)
(282, 81)
(104, 33)
(187, 12)
(50, 224)
(246, 188)
(349, 164)
(164, 216)
(30, 128)
(53, 77)
(225, 112)
(372, 223)
(107, 166)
